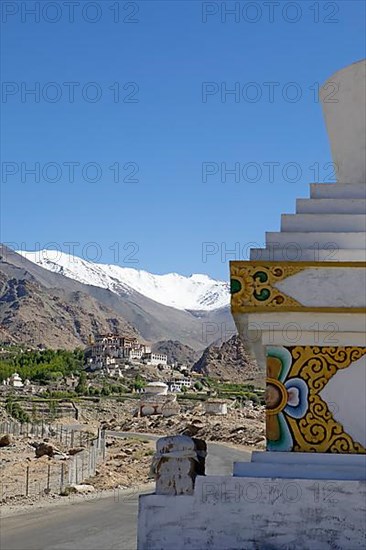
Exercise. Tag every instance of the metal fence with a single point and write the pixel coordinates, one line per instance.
(63, 433)
(38, 477)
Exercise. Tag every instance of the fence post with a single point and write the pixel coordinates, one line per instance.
(62, 480)
(91, 473)
(92, 460)
(70, 479)
(103, 444)
(27, 482)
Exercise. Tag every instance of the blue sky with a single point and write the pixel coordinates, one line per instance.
(148, 97)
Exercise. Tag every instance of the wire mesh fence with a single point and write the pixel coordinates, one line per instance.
(64, 470)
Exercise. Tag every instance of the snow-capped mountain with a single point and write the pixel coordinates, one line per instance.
(197, 292)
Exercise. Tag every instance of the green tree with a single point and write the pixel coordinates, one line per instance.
(52, 406)
(34, 413)
(105, 390)
(139, 383)
(81, 388)
(15, 410)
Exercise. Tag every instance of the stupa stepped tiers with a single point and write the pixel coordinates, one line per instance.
(331, 226)
(299, 305)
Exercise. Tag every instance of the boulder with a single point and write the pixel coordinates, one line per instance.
(44, 449)
(5, 440)
(193, 428)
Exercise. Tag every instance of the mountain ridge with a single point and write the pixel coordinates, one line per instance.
(197, 292)
(151, 320)
(228, 361)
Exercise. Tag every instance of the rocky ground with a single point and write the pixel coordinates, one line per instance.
(30, 466)
(128, 459)
(241, 426)
(127, 464)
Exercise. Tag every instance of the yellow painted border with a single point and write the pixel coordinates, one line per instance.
(287, 304)
(289, 309)
(299, 263)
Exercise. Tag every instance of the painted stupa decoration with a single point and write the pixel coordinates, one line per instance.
(299, 303)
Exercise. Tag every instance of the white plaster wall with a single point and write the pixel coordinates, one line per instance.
(346, 392)
(309, 321)
(299, 329)
(305, 328)
(312, 338)
(327, 287)
(343, 100)
(250, 513)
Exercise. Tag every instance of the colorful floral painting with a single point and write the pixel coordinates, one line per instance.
(298, 418)
(284, 397)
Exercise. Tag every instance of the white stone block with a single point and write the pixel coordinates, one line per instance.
(323, 222)
(327, 206)
(338, 190)
(329, 459)
(355, 240)
(314, 254)
(297, 471)
(251, 514)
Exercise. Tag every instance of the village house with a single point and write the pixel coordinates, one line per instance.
(178, 383)
(155, 359)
